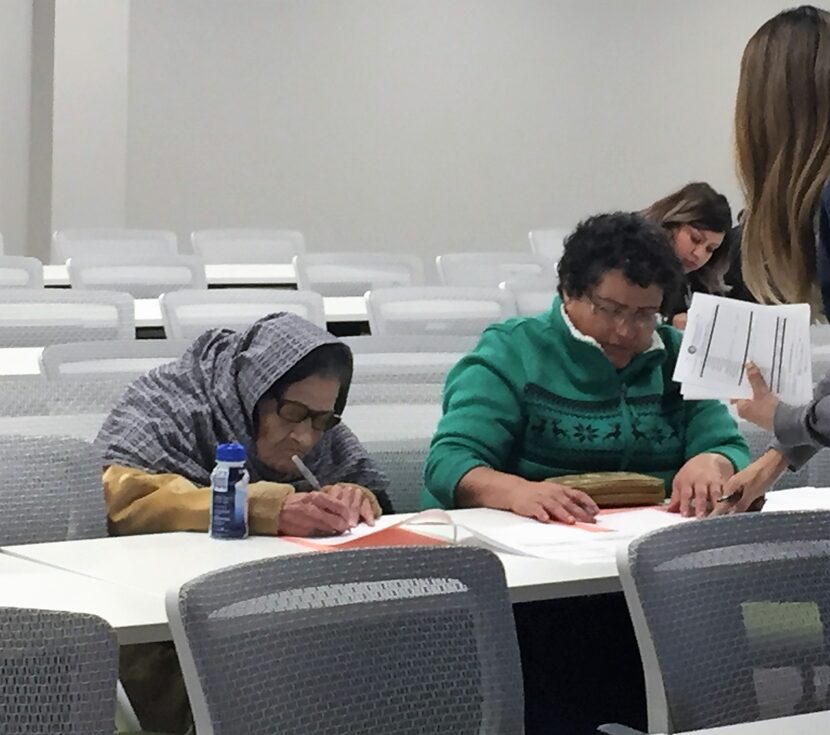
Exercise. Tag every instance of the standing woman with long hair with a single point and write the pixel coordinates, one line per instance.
(782, 127)
(697, 220)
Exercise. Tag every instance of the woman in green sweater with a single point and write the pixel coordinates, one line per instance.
(584, 387)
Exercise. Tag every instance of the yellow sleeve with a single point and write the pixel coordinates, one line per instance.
(140, 502)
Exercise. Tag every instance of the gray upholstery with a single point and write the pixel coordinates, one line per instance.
(42, 316)
(59, 672)
(402, 462)
(51, 490)
(733, 618)
(382, 641)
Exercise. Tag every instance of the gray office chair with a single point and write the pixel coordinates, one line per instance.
(247, 246)
(402, 462)
(533, 295)
(384, 640)
(20, 272)
(407, 359)
(548, 242)
(141, 276)
(111, 242)
(353, 274)
(189, 313)
(52, 490)
(38, 317)
(488, 270)
(437, 311)
(732, 617)
(59, 673)
(108, 358)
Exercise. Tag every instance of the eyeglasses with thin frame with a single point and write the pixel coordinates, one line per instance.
(296, 412)
(613, 313)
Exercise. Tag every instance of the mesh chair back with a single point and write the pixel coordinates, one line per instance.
(19, 272)
(129, 359)
(59, 673)
(37, 317)
(143, 277)
(393, 358)
(437, 311)
(187, 314)
(52, 492)
(353, 274)
(247, 246)
(402, 462)
(549, 242)
(733, 618)
(380, 641)
(108, 243)
(488, 270)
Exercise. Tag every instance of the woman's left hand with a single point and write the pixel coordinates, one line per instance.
(699, 484)
(355, 498)
(760, 409)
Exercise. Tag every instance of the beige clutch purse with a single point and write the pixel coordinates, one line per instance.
(616, 489)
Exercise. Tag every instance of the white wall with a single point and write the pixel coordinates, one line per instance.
(15, 76)
(89, 156)
(426, 126)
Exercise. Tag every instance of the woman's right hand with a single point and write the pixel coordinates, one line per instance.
(314, 514)
(679, 321)
(751, 483)
(549, 501)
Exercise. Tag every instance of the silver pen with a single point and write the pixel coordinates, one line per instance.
(306, 473)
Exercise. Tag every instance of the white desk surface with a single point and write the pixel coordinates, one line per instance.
(218, 274)
(135, 616)
(809, 724)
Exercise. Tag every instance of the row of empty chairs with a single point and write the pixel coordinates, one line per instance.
(243, 245)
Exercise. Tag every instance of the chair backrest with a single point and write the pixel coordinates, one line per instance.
(187, 314)
(68, 361)
(820, 334)
(533, 295)
(38, 317)
(399, 640)
(731, 618)
(406, 358)
(549, 242)
(437, 310)
(143, 277)
(402, 463)
(353, 274)
(488, 270)
(60, 671)
(247, 246)
(53, 490)
(104, 243)
(17, 271)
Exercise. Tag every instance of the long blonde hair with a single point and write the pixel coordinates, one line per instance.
(782, 131)
(699, 205)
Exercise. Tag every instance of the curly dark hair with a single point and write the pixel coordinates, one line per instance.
(621, 241)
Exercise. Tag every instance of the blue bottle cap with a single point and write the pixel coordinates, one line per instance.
(230, 453)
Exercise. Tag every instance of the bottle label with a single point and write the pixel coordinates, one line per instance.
(229, 502)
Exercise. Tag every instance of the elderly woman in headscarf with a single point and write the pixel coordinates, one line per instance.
(278, 389)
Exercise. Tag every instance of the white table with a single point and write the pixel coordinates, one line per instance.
(218, 274)
(809, 724)
(136, 617)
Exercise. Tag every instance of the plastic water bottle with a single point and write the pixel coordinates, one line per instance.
(229, 496)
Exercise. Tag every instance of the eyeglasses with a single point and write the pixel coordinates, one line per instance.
(297, 412)
(640, 319)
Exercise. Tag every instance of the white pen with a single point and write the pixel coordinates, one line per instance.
(306, 473)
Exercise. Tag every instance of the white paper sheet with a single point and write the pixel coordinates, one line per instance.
(722, 335)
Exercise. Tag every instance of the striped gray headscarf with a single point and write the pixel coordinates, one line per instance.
(173, 418)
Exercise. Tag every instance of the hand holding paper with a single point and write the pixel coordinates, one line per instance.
(760, 409)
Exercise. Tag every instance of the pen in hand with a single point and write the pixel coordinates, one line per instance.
(306, 473)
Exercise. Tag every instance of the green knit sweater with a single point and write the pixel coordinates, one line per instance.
(538, 399)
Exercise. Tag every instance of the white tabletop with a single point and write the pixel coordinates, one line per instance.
(135, 616)
(218, 274)
(809, 724)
